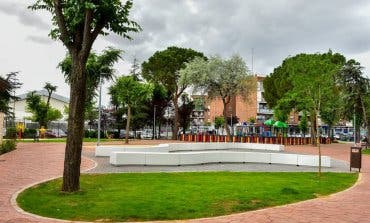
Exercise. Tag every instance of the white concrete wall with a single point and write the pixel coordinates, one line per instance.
(176, 147)
(188, 158)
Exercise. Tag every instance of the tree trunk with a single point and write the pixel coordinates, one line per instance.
(313, 129)
(72, 159)
(176, 118)
(225, 118)
(128, 124)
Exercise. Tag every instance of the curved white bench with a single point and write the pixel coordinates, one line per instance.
(189, 158)
(178, 147)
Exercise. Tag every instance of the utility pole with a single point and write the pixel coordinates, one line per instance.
(252, 61)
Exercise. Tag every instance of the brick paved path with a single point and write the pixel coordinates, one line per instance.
(34, 162)
(28, 164)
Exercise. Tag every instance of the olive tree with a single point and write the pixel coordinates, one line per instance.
(220, 78)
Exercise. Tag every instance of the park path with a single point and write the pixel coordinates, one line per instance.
(34, 162)
(29, 163)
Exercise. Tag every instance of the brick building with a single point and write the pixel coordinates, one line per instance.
(255, 107)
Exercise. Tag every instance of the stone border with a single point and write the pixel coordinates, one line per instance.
(13, 199)
(20, 210)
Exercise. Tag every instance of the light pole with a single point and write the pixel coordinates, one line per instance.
(99, 118)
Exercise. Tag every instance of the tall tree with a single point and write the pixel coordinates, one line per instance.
(160, 100)
(185, 110)
(130, 94)
(305, 82)
(50, 89)
(354, 86)
(41, 111)
(220, 78)
(77, 24)
(313, 84)
(163, 67)
(8, 84)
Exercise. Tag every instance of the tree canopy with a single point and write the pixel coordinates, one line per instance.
(163, 67)
(305, 82)
(220, 78)
(41, 111)
(354, 88)
(7, 85)
(130, 93)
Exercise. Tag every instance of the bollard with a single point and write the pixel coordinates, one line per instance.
(355, 158)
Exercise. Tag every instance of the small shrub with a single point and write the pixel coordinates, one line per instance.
(29, 133)
(11, 133)
(7, 146)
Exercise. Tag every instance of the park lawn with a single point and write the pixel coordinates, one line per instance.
(168, 196)
(366, 151)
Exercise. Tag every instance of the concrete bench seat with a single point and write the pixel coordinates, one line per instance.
(178, 147)
(192, 158)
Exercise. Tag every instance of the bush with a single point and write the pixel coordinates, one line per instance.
(11, 133)
(7, 146)
(29, 133)
(94, 134)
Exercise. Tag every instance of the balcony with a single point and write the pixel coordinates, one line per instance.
(265, 111)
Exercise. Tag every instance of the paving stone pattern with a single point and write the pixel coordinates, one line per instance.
(34, 162)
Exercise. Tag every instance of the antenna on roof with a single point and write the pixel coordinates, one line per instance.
(252, 60)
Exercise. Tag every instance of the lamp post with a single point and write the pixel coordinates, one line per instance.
(99, 118)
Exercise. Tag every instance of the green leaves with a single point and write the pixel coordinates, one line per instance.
(70, 24)
(130, 92)
(41, 111)
(305, 82)
(220, 78)
(164, 66)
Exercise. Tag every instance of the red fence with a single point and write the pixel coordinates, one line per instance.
(250, 139)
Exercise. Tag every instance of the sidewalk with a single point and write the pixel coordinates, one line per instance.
(34, 162)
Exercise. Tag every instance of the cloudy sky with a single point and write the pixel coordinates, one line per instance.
(273, 29)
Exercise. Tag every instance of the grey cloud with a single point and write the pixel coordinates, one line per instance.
(40, 39)
(275, 29)
(24, 15)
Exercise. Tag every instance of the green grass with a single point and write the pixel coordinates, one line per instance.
(366, 151)
(161, 196)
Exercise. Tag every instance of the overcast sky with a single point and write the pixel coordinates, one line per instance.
(273, 29)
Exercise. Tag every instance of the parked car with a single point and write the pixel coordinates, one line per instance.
(55, 133)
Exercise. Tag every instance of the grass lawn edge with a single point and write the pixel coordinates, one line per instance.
(15, 204)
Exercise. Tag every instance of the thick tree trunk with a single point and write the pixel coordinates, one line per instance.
(72, 160)
(176, 118)
(128, 124)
